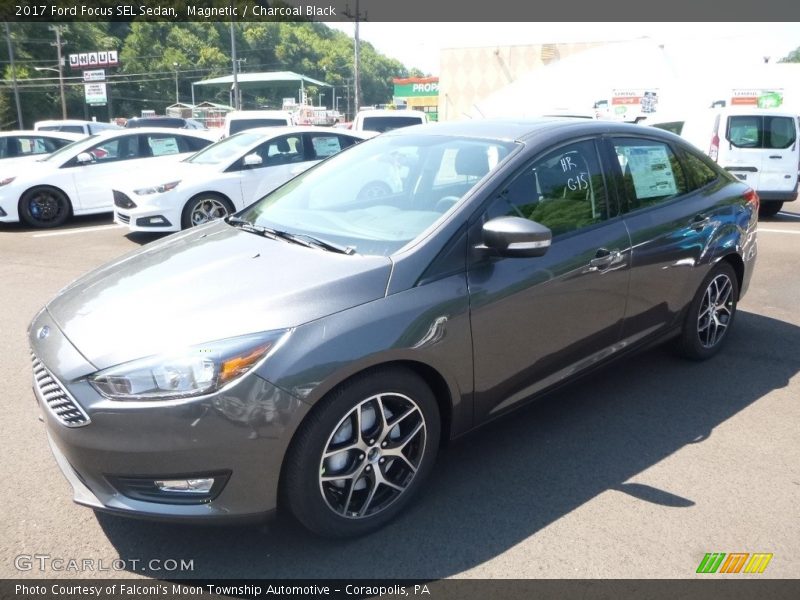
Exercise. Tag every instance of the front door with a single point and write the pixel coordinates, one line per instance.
(536, 321)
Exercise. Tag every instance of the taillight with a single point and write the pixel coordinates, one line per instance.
(752, 198)
(713, 151)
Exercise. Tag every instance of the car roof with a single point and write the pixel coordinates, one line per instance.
(65, 135)
(200, 133)
(521, 130)
(276, 131)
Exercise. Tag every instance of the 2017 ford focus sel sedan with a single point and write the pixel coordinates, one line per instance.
(312, 351)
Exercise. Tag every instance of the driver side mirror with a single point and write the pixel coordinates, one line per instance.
(253, 160)
(516, 237)
(84, 157)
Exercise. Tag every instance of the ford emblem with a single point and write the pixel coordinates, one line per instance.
(43, 332)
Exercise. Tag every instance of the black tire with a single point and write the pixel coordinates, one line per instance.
(215, 206)
(44, 207)
(705, 329)
(769, 208)
(338, 507)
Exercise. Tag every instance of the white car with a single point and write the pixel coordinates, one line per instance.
(225, 177)
(75, 126)
(77, 179)
(241, 120)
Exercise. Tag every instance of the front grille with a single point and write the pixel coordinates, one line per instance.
(123, 218)
(57, 399)
(122, 200)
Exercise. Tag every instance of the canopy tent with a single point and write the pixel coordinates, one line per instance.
(263, 81)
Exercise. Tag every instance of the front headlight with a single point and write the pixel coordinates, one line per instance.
(157, 189)
(194, 371)
(7, 180)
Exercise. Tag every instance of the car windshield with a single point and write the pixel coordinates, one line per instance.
(225, 150)
(69, 149)
(380, 195)
(67, 128)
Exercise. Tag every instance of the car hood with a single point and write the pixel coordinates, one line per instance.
(206, 284)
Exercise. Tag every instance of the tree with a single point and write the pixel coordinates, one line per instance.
(792, 57)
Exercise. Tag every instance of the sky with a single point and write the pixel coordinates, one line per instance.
(418, 44)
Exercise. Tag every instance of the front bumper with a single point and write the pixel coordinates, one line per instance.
(9, 211)
(243, 432)
(154, 213)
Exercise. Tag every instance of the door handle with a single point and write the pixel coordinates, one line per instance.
(603, 259)
(700, 222)
(776, 156)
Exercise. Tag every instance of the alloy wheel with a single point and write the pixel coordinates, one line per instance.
(716, 311)
(208, 209)
(372, 455)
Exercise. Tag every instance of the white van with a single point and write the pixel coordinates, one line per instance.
(386, 120)
(239, 120)
(759, 146)
(74, 126)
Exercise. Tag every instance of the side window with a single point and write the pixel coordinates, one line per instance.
(4, 147)
(564, 190)
(651, 173)
(36, 145)
(282, 150)
(744, 131)
(162, 144)
(324, 145)
(123, 148)
(699, 172)
(346, 141)
(779, 132)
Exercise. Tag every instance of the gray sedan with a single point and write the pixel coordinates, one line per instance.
(313, 351)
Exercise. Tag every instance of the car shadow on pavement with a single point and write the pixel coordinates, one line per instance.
(507, 481)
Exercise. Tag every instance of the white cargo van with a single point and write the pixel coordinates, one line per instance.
(759, 146)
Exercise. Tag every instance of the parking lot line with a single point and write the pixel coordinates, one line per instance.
(794, 231)
(81, 230)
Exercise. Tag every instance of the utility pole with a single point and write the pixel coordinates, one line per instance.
(236, 102)
(356, 59)
(348, 114)
(176, 66)
(59, 44)
(14, 75)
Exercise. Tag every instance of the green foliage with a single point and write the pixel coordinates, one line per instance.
(792, 57)
(149, 51)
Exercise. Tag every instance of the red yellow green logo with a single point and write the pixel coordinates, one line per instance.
(734, 562)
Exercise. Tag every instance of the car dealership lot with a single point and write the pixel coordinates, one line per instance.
(636, 471)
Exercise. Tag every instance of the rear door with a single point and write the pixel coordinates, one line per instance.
(537, 321)
(671, 208)
(762, 151)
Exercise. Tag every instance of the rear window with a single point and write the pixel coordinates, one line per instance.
(67, 128)
(757, 131)
(672, 126)
(383, 124)
(238, 125)
(175, 123)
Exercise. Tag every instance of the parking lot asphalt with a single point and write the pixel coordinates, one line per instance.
(634, 472)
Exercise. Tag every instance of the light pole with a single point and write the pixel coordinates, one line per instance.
(177, 94)
(60, 85)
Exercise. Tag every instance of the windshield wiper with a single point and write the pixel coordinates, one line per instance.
(310, 240)
(303, 239)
